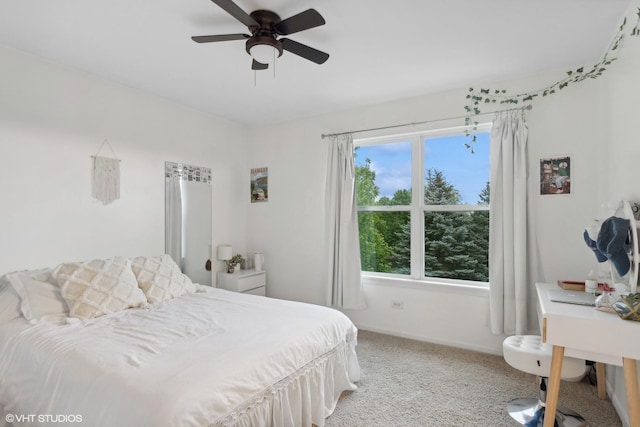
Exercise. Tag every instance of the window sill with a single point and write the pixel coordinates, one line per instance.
(431, 284)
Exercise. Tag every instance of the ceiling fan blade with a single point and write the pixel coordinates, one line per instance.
(304, 51)
(219, 38)
(255, 65)
(302, 21)
(234, 10)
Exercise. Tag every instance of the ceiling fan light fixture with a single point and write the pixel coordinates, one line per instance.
(264, 49)
(263, 53)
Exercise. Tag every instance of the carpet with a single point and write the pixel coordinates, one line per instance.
(414, 383)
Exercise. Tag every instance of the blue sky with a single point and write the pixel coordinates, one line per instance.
(467, 172)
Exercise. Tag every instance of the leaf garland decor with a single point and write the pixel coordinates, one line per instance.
(477, 98)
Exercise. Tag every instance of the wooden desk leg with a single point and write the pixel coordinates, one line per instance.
(631, 384)
(601, 380)
(554, 386)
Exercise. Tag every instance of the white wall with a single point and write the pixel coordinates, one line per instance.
(52, 119)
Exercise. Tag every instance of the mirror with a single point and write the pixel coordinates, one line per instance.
(188, 219)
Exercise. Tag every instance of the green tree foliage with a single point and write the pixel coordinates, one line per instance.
(456, 243)
(374, 250)
(366, 189)
(484, 195)
(402, 247)
(451, 239)
(480, 234)
(438, 191)
(397, 231)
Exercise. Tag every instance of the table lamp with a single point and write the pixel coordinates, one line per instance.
(225, 253)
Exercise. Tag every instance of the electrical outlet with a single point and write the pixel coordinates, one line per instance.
(397, 304)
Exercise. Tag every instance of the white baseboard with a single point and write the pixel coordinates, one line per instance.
(450, 343)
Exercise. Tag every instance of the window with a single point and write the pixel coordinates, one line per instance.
(423, 205)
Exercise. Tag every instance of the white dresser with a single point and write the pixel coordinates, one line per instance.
(244, 281)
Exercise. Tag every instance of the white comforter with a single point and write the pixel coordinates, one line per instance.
(214, 358)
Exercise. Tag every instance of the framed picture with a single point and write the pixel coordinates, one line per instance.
(259, 185)
(555, 175)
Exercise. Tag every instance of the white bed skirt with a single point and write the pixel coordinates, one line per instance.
(314, 390)
(306, 397)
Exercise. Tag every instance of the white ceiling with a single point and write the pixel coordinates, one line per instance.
(380, 50)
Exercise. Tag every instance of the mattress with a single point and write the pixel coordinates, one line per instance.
(212, 358)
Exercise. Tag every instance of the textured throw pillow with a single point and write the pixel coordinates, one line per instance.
(39, 293)
(160, 278)
(98, 287)
(9, 301)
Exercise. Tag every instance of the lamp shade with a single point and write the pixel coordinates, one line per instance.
(225, 252)
(263, 53)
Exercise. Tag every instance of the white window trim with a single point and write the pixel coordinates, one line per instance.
(446, 285)
(417, 277)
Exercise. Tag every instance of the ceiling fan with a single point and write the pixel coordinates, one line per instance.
(265, 27)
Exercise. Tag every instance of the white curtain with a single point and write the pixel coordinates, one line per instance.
(344, 289)
(508, 224)
(173, 218)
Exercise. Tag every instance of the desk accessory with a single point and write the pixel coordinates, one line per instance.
(569, 297)
(628, 307)
(571, 285)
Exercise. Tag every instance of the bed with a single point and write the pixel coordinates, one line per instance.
(200, 357)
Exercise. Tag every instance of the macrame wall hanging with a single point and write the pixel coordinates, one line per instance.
(105, 185)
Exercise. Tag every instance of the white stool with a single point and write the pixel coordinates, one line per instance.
(529, 354)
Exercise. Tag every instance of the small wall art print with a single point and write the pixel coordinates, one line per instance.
(555, 175)
(259, 185)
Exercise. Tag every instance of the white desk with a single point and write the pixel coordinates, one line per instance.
(587, 333)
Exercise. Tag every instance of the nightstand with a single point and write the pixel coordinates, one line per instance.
(244, 281)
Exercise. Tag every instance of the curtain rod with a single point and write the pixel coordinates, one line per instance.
(526, 107)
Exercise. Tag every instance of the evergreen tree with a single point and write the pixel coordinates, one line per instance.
(484, 195)
(438, 191)
(480, 235)
(448, 243)
(401, 250)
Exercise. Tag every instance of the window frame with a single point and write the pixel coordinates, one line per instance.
(418, 207)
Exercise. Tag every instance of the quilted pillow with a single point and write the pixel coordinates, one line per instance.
(98, 287)
(9, 301)
(160, 278)
(39, 293)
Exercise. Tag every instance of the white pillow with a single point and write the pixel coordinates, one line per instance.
(98, 287)
(39, 293)
(160, 278)
(9, 301)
